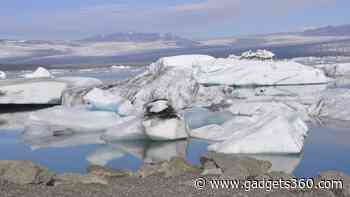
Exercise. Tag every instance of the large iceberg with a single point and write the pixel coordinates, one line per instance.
(32, 91)
(180, 62)
(244, 115)
(2, 75)
(61, 120)
(255, 72)
(39, 73)
(274, 133)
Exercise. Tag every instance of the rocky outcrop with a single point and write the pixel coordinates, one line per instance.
(24, 172)
(175, 167)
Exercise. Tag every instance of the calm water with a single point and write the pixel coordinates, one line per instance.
(325, 149)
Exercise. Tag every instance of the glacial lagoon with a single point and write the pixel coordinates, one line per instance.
(326, 147)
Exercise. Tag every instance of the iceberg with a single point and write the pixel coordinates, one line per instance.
(126, 128)
(180, 62)
(162, 122)
(39, 73)
(254, 72)
(165, 129)
(274, 133)
(31, 91)
(259, 54)
(244, 115)
(2, 75)
(332, 105)
(106, 101)
(102, 100)
(61, 120)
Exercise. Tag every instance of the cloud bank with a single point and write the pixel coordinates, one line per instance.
(197, 19)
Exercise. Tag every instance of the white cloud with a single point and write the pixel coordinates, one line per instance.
(203, 16)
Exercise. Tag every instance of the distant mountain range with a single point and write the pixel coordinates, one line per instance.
(342, 30)
(140, 37)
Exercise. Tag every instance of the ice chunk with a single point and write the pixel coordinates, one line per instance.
(62, 120)
(253, 72)
(177, 86)
(39, 73)
(259, 54)
(274, 133)
(2, 75)
(127, 128)
(42, 91)
(106, 101)
(180, 62)
(247, 114)
(332, 104)
(165, 129)
(81, 81)
(102, 100)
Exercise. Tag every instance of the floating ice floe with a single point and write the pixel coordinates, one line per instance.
(104, 100)
(245, 115)
(39, 73)
(31, 91)
(261, 73)
(165, 129)
(274, 133)
(259, 55)
(61, 120)
(127, 128)
(2, 75)
(162, 122)
(180, 62)
(332, 105)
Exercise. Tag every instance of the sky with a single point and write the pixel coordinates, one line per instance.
(196, 19)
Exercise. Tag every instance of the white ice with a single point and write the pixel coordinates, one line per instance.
(244, 115)
(127, 128)
(274, 133)
(39, 73)
(165, 129)
(61, 120)
(31, 91)
(332, 104)
(255, 72)
(106, 101)
(2, 75)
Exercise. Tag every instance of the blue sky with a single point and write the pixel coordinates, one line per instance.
(74, 19)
